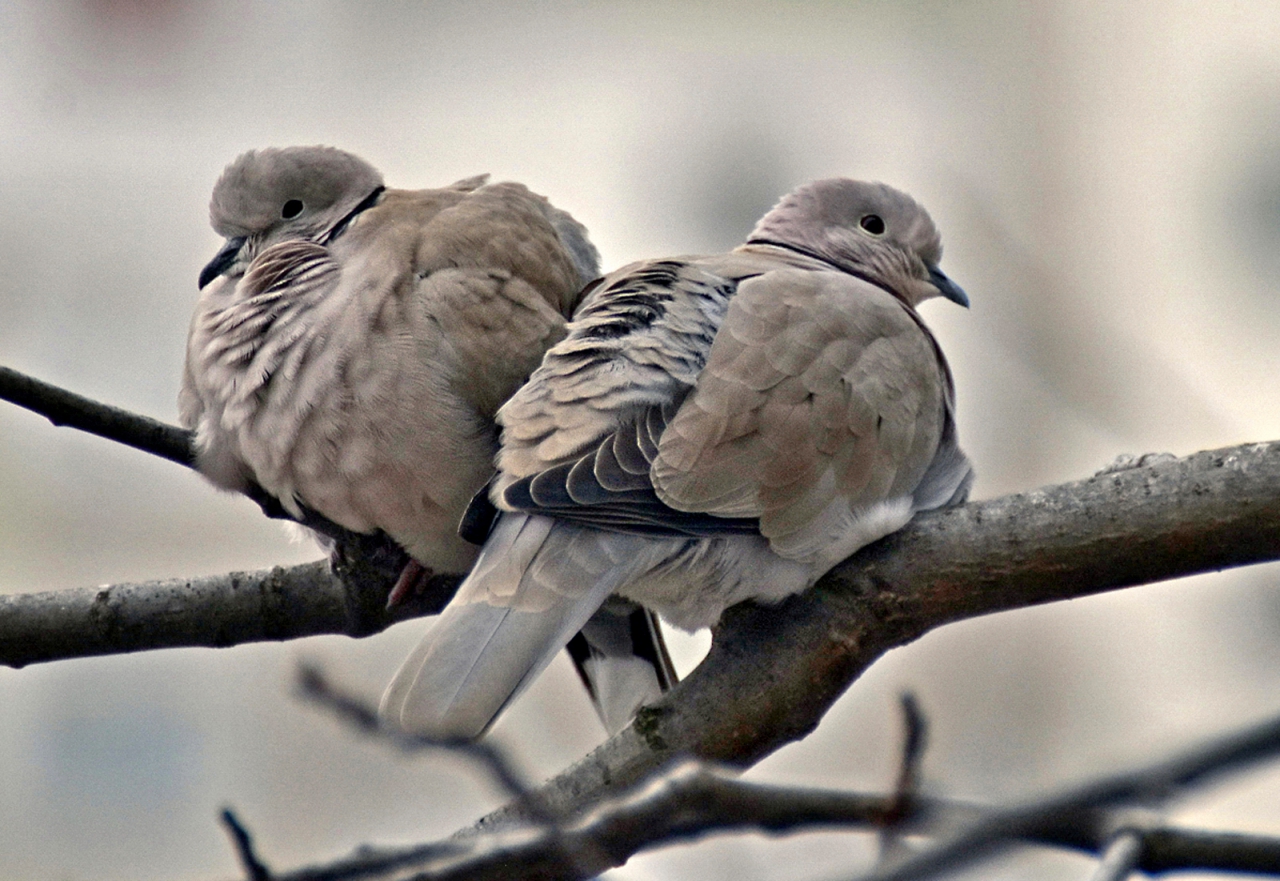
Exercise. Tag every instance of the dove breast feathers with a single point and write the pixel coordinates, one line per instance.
(358, 372)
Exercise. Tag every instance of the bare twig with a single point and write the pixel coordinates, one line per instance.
(1158, 782)
(65, 408)
(577, 858)
(691, 800)
(314, 685)
(914, 739)
(62, 407)
(1120, 857)
(685, 801)
(254, 868)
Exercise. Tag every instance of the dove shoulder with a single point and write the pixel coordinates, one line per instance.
(639, 340)
(823, 397)
(501, 271)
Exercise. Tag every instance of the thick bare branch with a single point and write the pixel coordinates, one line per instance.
(773, 671)
(214, 611)
(1208, 511)
(1181, 850)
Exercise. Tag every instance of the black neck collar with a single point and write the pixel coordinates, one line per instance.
(366, 203)
(827, 260)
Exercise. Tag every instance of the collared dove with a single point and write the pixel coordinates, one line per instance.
(352, 343)
(712, 429)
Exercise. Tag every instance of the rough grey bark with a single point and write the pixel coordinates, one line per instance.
(212, 612)
(1174, 517)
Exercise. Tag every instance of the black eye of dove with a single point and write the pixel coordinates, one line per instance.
(292, 209)
(873, 224)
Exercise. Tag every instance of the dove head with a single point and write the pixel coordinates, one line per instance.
(867, 229)
(277, 194)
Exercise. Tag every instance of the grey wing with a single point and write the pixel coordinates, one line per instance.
(579, 438)
(824, 410)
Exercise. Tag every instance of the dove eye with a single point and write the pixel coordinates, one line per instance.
(292, 209)
(873, 224)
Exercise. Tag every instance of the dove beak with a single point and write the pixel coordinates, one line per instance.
(223, 259)
(948, 288)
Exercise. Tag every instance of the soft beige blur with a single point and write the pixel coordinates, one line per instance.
(1107, 185)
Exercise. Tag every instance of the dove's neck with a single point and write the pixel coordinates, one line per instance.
(364, 205)
(837, 265)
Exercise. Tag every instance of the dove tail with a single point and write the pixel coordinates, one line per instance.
(537, 583)
(622, 661)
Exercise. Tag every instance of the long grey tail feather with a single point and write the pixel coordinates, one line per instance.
(536, 583)
(622, 660)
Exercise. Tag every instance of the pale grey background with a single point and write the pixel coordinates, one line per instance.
(1107, 179)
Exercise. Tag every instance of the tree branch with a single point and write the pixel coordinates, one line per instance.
(1155, 783)
(1120, 858)
(64, 408)
(772, 672)
(213, 612)
(315, 687)
(1176, 517)
(254, 868)
(692, 800)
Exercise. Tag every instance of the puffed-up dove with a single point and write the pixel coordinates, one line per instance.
(712, 429)
(352, 343)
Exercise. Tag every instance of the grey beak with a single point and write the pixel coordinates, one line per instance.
(222, 260)
(948, 288)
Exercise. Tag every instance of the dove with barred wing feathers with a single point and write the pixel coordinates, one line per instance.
(352, 343)
(712, 429)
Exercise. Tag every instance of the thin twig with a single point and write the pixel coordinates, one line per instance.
(1161, 781)
(1120, 858)
(578, 858)
(915, 735)
(915, 738)
(315, 686)
(691, 800)
(64, 408)
(254, 868)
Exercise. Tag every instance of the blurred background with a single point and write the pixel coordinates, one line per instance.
(1107, 180)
